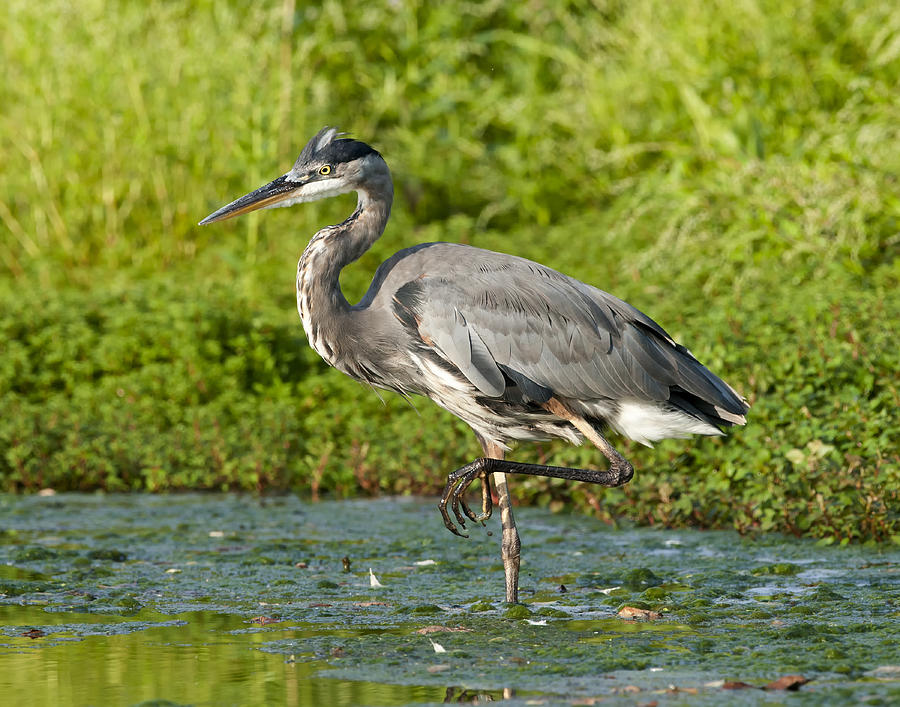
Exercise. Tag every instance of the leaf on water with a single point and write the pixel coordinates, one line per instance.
(737, 685)
(631, 612)
(313, 606)
(787, 682)
(682, 690)
(373, 580)
(337, 652)
(441, 629)
(438, 648)
(263, 620)
(370, 603)
(626, 690)
(34, 633)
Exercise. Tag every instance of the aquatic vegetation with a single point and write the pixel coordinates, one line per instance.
(743, 196)
(185, 604)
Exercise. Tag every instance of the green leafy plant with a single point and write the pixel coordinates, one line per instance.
(727, 170)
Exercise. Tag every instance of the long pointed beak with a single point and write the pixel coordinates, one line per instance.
(268, 195)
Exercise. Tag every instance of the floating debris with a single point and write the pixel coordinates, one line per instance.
(441, 629)
(263, 620)
(787, 682)
(633, 612)
(737, 685)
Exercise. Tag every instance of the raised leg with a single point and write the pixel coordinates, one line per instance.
(619, 473)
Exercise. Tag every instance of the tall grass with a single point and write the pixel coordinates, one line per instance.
(730, 168)
(125, 122)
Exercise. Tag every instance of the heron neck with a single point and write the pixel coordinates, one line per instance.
(356, 235)
(319, 295)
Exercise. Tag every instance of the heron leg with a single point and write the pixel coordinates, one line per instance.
(487, 503)
(493, 464)
(510, 546)
(618, 473)
(620, 470)
(459, 481)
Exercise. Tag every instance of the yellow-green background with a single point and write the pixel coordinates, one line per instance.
(730, 168)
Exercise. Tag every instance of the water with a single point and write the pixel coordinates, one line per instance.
(224, 599)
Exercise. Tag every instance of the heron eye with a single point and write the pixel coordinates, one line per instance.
(325, 169)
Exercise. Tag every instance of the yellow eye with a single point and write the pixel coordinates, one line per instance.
(325, 169)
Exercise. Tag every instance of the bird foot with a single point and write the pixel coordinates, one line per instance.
(454, 493)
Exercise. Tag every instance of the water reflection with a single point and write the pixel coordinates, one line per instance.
(138, 598)
(461, 695)
(198, 661)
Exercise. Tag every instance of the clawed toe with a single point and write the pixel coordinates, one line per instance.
(454, 496)
(450, 495)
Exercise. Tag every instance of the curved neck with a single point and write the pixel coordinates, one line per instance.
(319, 298)
(350, 239)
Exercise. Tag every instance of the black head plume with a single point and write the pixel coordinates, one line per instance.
(328, 147)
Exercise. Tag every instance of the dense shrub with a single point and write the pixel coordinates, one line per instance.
(730, 170)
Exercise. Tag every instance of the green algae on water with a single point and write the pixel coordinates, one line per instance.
(192, 602)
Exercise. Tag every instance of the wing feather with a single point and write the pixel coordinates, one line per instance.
(503, 320)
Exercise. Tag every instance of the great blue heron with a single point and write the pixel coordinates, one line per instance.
(516, 350)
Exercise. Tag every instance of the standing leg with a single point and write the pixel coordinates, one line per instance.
(510, 546)
(493, 465)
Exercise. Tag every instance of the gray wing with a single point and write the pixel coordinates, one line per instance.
(505, 322)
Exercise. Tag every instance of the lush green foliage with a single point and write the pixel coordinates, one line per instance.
(728, 168)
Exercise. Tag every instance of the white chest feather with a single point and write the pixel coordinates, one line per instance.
(304, 308)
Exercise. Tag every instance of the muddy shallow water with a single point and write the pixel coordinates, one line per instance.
(225, 599)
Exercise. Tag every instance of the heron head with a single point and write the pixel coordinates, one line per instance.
(329, 165)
